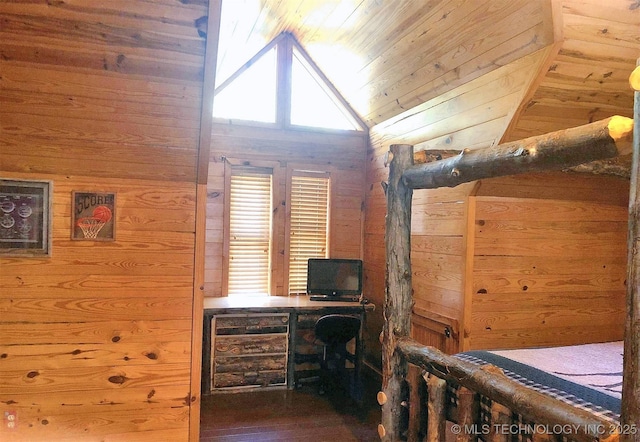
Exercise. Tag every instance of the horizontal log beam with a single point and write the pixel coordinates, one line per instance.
(429, 156)
(603, 139)
(618, 166)
(532, 405)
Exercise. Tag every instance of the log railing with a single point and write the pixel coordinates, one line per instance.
(401, 413)
(549, 417)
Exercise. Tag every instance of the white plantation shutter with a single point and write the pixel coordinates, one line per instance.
(308, 226)
(250, 232)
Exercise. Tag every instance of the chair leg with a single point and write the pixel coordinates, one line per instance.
(333, 372)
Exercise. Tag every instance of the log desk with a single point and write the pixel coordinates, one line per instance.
(263, 341)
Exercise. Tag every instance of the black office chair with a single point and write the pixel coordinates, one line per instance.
(334, 332)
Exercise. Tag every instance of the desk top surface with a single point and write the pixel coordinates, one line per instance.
(261, 303)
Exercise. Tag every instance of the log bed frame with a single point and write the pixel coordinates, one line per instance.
(408, 365)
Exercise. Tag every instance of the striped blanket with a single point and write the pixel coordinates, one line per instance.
(586, 376)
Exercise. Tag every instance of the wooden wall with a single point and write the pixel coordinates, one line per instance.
(523, 261)
(96, 340)
(374, 251)
(341, 154)
(439, 244)
(549, 261)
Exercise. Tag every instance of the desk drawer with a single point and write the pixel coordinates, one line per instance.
(249, 345)
(251, 324)
(250, 364)
(245, 379)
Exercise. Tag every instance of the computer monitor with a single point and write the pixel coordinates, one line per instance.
(334, 277)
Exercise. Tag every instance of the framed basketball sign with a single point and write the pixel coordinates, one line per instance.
(93, 216)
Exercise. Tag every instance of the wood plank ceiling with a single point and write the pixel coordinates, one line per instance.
(527, 67)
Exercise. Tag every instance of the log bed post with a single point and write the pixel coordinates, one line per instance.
(630, 413)
(398, 300)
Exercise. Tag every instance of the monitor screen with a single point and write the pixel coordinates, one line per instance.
(334, 277)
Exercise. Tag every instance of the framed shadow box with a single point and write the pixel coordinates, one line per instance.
(25, 217)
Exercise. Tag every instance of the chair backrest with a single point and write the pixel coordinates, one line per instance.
(337, 329)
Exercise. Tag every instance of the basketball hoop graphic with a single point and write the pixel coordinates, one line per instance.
(91, 225)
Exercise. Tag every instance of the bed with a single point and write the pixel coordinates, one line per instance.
(424, 390)
(587, 376)
(523, 394)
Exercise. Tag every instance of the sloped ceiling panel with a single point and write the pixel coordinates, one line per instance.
(589, 79)
(437, 46)
(470, 116)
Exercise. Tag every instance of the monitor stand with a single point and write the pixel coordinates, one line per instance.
(337, 298)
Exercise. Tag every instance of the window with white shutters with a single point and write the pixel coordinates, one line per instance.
(309, 204)
(250, 231)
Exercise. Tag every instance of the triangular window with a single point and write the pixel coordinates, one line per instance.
(312, 103)
(252, 94)
(305, 98)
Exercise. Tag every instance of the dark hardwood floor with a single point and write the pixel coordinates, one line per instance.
(290, 415)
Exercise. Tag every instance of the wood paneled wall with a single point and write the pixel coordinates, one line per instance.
(549, 261)
(438, 246)
(96, 340)
(343, 155)
(521, 261)
(374, 250)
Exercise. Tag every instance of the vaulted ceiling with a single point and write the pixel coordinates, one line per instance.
(458, 73)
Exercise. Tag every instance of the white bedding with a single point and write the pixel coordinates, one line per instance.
(598, 366)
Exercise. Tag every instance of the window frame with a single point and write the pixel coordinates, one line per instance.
(276, 180)
(285, 45)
